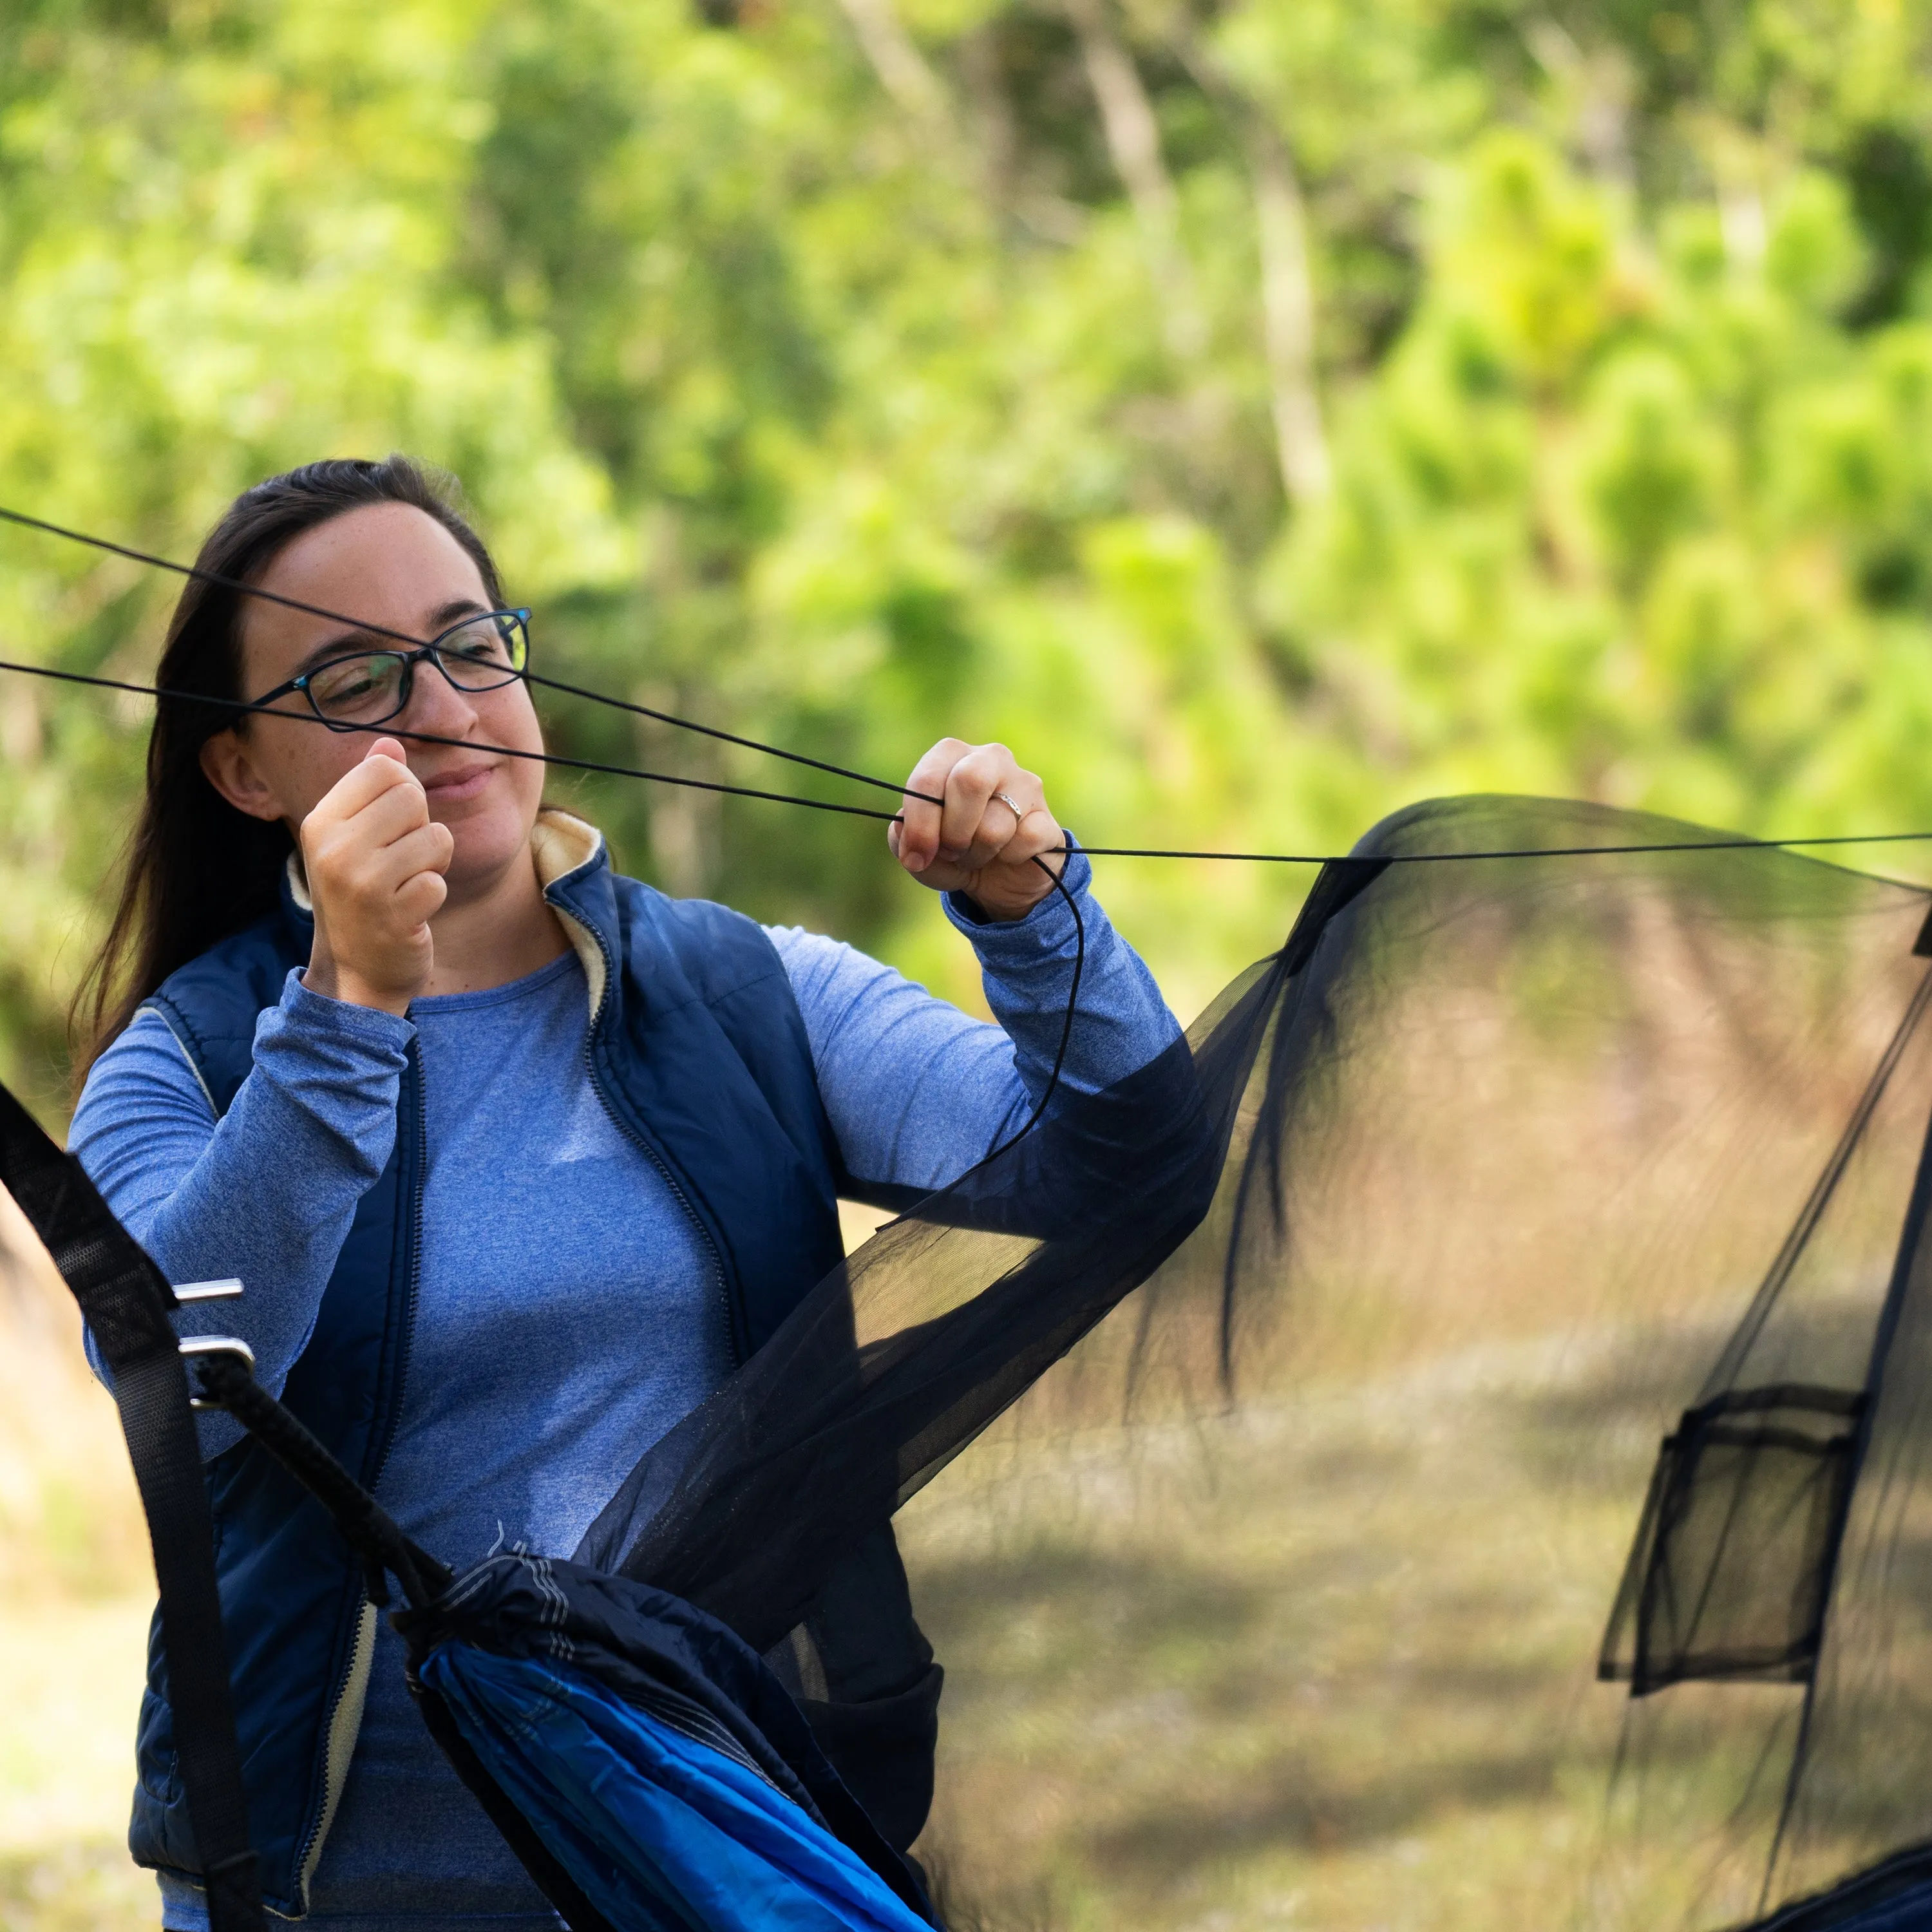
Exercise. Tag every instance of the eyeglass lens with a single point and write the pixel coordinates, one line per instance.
(479, 655)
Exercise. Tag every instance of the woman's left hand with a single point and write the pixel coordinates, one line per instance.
(983, 841)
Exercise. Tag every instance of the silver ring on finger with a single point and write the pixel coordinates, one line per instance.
(1013, 806)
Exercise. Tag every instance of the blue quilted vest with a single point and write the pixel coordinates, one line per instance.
(697, 1048)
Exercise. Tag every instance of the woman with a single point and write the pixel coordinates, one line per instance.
(516, 1158)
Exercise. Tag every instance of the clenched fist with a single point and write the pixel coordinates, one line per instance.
(983, 840)
(375, 861)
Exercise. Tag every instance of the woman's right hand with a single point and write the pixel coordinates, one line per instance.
(375, 861)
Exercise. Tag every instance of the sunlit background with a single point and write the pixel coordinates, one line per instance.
(1259, 417)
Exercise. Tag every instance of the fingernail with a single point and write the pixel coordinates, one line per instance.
(915, 862)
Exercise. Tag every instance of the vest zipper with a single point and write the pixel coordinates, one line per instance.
(643, 1147)
(344, 1725)
(683, 1200)
(343, 1728)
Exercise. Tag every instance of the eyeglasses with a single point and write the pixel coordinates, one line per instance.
(360, 688)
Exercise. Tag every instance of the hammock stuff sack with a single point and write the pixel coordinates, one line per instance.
(1447, 1446)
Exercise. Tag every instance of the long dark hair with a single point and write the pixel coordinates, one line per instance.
(197, 868)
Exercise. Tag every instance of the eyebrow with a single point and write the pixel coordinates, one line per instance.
(346, 644)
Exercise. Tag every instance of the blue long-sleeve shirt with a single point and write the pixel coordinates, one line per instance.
(550, 1348)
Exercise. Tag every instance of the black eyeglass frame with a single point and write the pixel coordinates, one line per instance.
(432, 651)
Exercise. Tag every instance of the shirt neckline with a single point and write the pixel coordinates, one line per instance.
(435, 1006)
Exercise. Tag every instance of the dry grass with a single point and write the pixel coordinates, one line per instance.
(1199, 1689)
(1329, 1666)
(1325, 1664)
(1330, 1662)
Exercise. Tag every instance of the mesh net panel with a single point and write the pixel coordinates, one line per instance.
(1508, 1505)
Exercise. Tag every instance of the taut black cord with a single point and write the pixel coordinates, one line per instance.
(26, 522)
(1738, 845)
(728, 737)
(241, 706)
(246, 589)
(393, 730)
(245, 705)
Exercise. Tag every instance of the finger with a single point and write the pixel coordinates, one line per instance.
(920, 820)
(381, 771)
(354, 851)
(419, 898)
(980, 823)
(390, 815)
(426, 848)
(388, 752)
(1039, 836)
(968, 786)
(385, 764)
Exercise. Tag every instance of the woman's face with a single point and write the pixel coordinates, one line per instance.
(390, 565)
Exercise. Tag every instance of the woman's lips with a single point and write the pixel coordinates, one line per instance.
(453, 787)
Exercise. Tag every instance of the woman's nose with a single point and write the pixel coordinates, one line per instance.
(436, 706)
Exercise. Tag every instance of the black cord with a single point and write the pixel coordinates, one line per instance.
(1066, 1022)
(246, 589)
(241, 706)
(727, 737)
(245, 705)
(1738, 844)
(26, 522)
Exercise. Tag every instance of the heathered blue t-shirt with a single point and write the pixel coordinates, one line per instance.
(524, 1320)
(568, 1312)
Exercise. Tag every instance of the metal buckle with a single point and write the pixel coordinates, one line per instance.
(215, 1345)
(208, 1291)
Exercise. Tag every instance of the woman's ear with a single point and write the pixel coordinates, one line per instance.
(229, 766)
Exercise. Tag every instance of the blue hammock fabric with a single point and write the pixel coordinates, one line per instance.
(1911, 1912)
(656, 1828)
(1896, 1896)
(653, 1754)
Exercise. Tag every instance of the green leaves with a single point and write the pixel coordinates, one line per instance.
(806, 364)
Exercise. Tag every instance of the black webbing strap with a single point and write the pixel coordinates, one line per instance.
(368, 1529)
(372, 1533)
(126, 1303)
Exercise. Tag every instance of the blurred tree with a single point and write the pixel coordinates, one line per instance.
(1259, 416)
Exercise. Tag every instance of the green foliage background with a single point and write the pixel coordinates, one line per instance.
(1257, 416)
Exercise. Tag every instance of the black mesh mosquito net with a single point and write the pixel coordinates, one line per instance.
(1509, 1505)
(1444, 1447)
